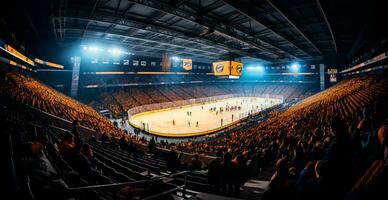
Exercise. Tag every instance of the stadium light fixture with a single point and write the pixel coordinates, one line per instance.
(94, 49)
(175, 58)
(295, 67)
(115, 51)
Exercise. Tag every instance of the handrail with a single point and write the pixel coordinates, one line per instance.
(125, 183)
(164, 193)
(183, 187)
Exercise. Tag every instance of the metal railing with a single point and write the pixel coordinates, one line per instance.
(102, 186)
(161, 178)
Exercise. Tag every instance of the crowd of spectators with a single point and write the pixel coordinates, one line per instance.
(47, 162)
(321, 147)
(30, 91)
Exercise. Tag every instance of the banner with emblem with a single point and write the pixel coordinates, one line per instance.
(16, 53)
(221, 68)
(187, 64)
(236, 68)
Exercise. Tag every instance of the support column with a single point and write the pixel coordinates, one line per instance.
(76, 60)
(322, 76)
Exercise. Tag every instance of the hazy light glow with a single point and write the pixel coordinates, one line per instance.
(295, 67)
(258, 69)
(94, 49)
(175, 58)
(114, 51)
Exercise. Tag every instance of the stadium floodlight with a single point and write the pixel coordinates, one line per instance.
(295, 67)
(94, 49)
(175, 58)
(115, 51)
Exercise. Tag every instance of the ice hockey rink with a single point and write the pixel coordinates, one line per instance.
(200, 119)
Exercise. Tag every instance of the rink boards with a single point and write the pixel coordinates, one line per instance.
(177, 122)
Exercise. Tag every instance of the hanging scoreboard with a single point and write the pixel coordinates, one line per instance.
(227, 68)
(236, 68)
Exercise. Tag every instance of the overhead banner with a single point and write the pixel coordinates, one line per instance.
(76, 60)
(236, 68)
(18, 54)
(50, 64)
(332, 75)
(224, 68)
(221, 68)
(187, 64)
(322, 76)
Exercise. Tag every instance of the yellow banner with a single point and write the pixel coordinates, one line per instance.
(221, 68)
(236, 68)
(187, 64)
(50, 64)
(18, 54)
(54, 65)
(37, 60)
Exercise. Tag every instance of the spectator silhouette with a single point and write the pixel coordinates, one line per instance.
(67, 146)
(172, 160)
(196, 162)
(214, 173)
(228, 176)
(152, 145)
(335, 173)
(280, 184)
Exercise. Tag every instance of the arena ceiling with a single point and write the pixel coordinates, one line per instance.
(271, 30)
